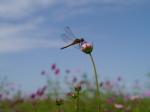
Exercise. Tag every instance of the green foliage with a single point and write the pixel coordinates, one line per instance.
(87, 104)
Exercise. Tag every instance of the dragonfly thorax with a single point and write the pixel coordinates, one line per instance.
(82, 39)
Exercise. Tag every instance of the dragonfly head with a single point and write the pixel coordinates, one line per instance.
(82, 39)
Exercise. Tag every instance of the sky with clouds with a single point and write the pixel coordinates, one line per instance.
(30, 38)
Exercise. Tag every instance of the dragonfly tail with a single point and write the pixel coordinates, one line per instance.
(66, 46)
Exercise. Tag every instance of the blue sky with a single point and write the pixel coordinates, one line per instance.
(30, 38)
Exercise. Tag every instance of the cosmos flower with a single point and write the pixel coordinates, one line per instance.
(53, 67)
(32, 96)
(147, 94)
(134, 97)
(57, 71)
(119, 106)
(71, 94)
(86, 48)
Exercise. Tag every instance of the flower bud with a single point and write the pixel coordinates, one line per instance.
(78, 87)
(59, 101)
(73, 95)
(86, 48)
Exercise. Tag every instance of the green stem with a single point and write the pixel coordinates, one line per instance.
(97, 83)
(59, 108)
(77, 102)
(75, 107)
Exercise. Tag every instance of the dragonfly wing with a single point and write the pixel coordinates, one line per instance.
(68, 41)
(69, 32)
(66, 38)
(69, 37)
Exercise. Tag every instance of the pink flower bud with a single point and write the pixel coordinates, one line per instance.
(86, 48)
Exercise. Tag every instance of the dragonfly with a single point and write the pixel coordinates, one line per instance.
(69, 36)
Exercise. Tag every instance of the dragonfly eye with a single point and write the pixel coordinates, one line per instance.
(82, 40)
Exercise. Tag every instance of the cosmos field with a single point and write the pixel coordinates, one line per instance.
(79, 95)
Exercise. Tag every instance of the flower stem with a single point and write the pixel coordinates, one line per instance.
(59, 108)
(77, 102)
(97, 83)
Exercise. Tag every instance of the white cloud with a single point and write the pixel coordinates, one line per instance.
(25, 36)
(21, 44)
(72, 8)
(81, 3)
(16, 9)
(21, 8)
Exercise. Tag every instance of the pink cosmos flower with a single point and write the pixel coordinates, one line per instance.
(134, 97)
(147, 94)
(32, 96)
(53, 67)
(119, 106)
(57, 71)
